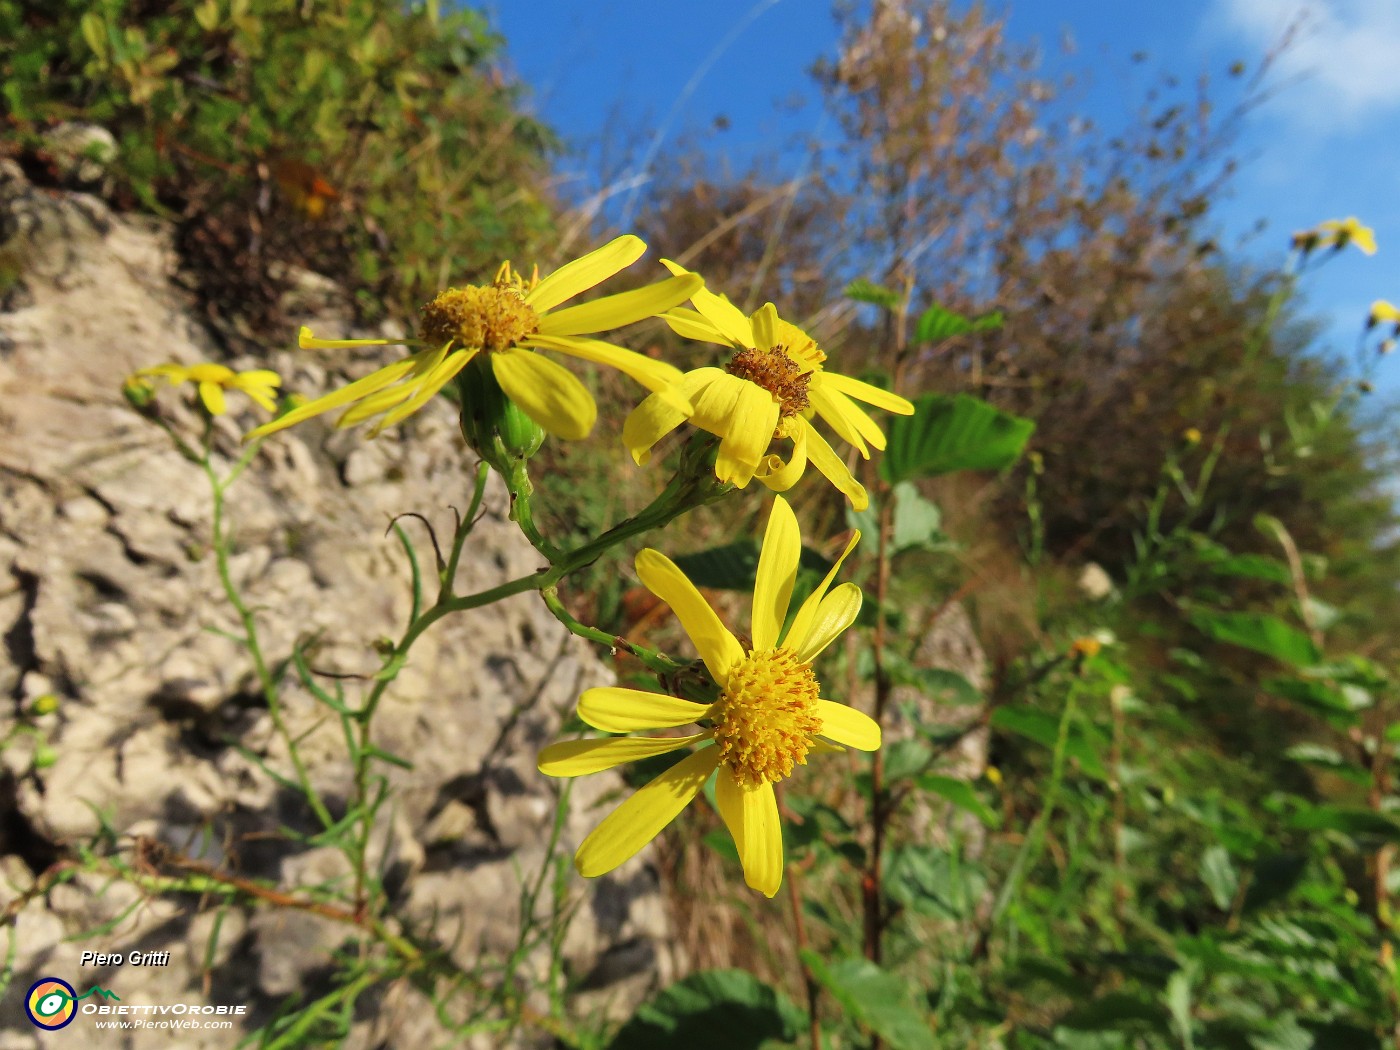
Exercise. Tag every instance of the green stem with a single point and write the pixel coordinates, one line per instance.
(250, 630)
(464, 528)
(654, 661)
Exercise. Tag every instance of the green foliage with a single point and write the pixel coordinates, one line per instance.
(712, 1010)
(876, 998)
(938, 323)
(368, 142)
(946, 434)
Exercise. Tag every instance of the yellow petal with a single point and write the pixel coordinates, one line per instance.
(661, 413)
(869, 393)
(821, 456)
(640, 819)
(547, 392)
(307, 341)
(777, 571)
(648, 423)
(748, 435)
(220, 374)
(653, 374)
(765, 322)
(616, 710)
(719, 311)
(213, 397)
(624, 308)
(828, 404)
(175, 374)
(807, 614)
(263, 396)
(848, 726)
(371, 383)
(256, 377)
(380, 401)
(582, 274)
(717, 647)
(577, 758)
(751, 815)
(688, 324)
(837, 611)
(780, 476)
(427, 388)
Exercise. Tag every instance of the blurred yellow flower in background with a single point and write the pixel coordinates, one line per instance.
(1337, 234)
(509, 319)
(259, 384)
(769, 717)
(1383, 312)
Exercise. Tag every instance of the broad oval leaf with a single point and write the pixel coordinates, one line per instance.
(1261, 632)
(875, 997)
(712, 1010)
(952, 433)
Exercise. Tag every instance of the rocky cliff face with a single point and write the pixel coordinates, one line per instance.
(109, 601)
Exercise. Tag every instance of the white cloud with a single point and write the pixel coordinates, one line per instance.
(1341, 62)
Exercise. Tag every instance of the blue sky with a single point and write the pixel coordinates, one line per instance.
(617, 75)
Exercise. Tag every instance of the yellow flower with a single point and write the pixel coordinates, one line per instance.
(259, 384)
(1337, 234)
(1191, 435)
(508, 319)
(1383, 312)
(770, 389)
(769, 717)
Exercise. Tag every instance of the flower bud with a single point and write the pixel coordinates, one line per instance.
(492, 424)
(44, 705)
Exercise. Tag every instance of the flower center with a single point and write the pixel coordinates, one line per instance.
(777, 373)
(493, 316)
(767, 716)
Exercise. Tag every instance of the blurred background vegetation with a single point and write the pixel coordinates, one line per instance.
(1181, 836)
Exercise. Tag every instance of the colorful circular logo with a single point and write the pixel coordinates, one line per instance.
(51, 1004)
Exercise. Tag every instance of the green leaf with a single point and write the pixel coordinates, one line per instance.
(961, 794)
(1253, 567)
(1044, 728)
(1273, 877)
(1179, 1003)
(938, 323)
(1260, 632)
(863, 291)
(952, 433)
(732, 566)
(712, 1010)
(917, 521)
(1329, 758)
(876, 998)
(937, 683)
(1349, 820)
(1220, 876)
(1115, 1011)
(1317, 696)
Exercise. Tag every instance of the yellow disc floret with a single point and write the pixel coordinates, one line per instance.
(767, 716)
(493, 317)
(777, 373)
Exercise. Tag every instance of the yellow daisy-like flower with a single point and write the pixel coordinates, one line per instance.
(769, 717)
(1337, 233)
(508, 319)
(770, 389)
(259, 384)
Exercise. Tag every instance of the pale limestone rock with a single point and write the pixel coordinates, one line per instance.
(109, 599)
